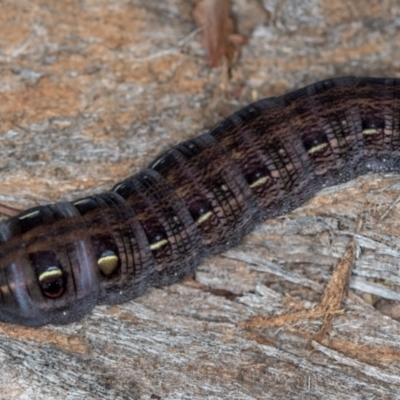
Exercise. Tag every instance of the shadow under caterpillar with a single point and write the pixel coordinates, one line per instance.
(197, 199)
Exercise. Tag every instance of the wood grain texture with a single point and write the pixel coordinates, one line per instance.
(98, 103)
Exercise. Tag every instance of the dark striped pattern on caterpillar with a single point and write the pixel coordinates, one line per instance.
(197, 199)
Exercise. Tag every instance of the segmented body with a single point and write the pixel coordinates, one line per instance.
(197, 199)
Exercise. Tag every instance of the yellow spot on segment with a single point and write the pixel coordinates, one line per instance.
(161, 160)
(29, 215)
(224, 187)
(107, 263)
(159, 244)
(370, 131)
(80, 201)
(52, 272)
(259, 182)
(317, 148)
(203, 217)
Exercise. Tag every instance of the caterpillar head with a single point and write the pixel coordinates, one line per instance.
(46, 267)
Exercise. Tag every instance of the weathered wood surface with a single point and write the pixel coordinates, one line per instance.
(90, 92)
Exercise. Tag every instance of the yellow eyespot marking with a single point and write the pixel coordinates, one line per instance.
(29, 215)
(259, 182)
(370, 131)
(159, 244)
(317, 148)
(203, 217)
(224, 187)
(51, 272)
(107, 263)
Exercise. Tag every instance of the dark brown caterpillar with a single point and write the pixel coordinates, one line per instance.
(197, 199)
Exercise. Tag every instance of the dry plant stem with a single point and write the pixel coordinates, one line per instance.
(327, 308)
(335, 292)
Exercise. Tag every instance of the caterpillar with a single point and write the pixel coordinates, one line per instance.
(195, 200)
